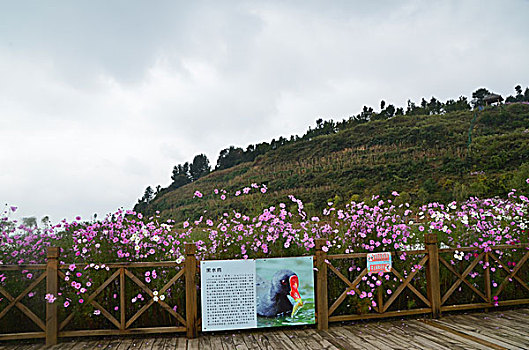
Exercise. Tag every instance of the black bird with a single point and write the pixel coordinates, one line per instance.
(272, 296)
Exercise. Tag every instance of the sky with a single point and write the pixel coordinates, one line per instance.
(100, 99)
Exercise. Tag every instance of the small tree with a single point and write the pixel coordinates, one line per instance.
(200, 167)
(478, 96)
(180, 175)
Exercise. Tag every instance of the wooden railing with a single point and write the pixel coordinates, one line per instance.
(486, 292)
(430, 287)
(53, 327)
(437, 291)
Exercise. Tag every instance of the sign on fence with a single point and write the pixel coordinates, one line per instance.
(255, 293)
(379, 262)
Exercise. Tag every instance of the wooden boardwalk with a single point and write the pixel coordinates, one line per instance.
(493, 330)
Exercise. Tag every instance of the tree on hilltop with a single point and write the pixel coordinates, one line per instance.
(478, 97)
(200, 167)
(180, 175)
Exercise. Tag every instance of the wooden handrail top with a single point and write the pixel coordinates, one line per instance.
(363, 255)
(115, 265)
(22, 267)
(495, 247)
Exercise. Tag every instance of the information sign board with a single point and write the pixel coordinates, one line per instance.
(255, 293)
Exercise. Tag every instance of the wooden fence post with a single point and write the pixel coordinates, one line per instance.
(488, 291)
(433, 283)
(52, 287)
(190, 266)
(322, 307)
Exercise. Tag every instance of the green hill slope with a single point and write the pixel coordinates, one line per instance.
(424, 158)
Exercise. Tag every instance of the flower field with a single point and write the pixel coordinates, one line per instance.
(472, 235)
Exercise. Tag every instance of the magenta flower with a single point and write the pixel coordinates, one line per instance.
(50, 298)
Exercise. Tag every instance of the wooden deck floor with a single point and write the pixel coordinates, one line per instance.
(493, 330)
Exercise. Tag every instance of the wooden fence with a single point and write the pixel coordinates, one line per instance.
(434, 293)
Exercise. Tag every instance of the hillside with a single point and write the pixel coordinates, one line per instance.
(423, 157)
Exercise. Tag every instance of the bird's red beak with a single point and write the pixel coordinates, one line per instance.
(294, 283)
(294, 293)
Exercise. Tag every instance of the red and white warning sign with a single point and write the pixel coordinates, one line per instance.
(379, 262)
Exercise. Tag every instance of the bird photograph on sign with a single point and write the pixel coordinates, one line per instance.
(285, 291)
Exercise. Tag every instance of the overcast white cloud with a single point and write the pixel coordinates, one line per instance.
(100, 99)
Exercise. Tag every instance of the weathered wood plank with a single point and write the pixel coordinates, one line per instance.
(215, 341)
(471, 333)
(348, 340)
(391, 338)
(279, 340)
(124, 344)
(181, 344)
(136, 343)
(238, 341)
(170, 343)
(262, 341)
(250, 341)
(452, 340)
(192, 344)
(204, 341)
(506, 335)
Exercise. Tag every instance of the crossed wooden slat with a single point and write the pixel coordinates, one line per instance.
(462, 278)
(93, 302)
(16, 302)
(511, 273)
(162, 303)
(406, 283)
(352, 286)
(123, 325)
